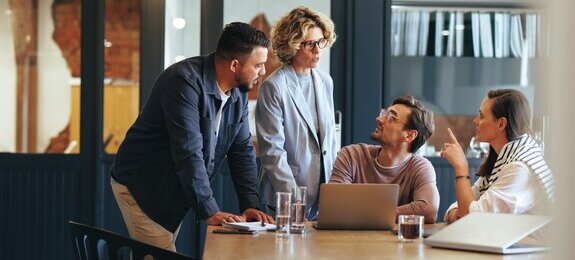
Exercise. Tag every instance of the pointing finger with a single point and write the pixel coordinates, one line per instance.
(451, 136)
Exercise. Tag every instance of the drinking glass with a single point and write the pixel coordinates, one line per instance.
(298, 209)
(480, 149)
(410, 227)
(283, 213)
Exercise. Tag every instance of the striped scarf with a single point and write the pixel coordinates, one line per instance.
(526, 150)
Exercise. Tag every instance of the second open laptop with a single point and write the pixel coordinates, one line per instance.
(357, 206)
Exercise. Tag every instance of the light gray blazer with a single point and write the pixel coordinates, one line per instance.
(289, 146)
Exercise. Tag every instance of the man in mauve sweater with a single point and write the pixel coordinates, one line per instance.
(401, 130)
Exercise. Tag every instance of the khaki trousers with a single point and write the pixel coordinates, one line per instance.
(140, 226)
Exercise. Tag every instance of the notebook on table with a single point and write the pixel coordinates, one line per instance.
(492, 233)
(357, 206)
(249, 226)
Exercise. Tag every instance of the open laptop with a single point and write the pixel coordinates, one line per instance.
(489, 232)
(357, 206)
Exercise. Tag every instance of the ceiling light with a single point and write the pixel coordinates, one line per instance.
(179, 23)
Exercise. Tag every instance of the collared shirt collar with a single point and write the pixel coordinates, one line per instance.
(210, 82)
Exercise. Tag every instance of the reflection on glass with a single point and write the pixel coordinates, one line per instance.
(182, 30)
(40, 54)
(441, 56)
(478, 149)
(121, 71)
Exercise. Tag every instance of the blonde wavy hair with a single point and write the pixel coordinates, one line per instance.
(290, 31)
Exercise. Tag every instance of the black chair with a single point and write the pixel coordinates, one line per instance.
(95, 243)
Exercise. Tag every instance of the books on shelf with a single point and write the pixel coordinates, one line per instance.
(250, 226)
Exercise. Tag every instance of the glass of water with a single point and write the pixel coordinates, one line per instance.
(298, 209)
(283, 214)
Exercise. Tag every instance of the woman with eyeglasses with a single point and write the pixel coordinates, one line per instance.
(514, 178)
(294, 112)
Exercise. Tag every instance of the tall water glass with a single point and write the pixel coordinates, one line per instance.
(283, 214)
(298, 209)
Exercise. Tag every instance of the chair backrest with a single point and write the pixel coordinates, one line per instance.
(89, 244)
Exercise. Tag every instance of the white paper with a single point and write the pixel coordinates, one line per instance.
(251, 226)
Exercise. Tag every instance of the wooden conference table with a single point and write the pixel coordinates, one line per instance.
(333, 244)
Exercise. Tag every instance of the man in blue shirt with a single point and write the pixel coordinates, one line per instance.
(197, 114)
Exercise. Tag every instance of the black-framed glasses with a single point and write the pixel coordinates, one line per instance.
(309, 45)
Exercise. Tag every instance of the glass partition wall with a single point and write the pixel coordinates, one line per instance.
(40, 42)
(40, 70)
(450, 56)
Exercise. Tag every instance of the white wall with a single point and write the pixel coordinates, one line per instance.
(561, 94)
(245, 10)
(7, 82)
(54, 90)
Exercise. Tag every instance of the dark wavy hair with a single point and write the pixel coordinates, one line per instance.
(420, 119)
(238, 40)
(514, 106)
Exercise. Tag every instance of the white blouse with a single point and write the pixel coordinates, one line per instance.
(517, 191)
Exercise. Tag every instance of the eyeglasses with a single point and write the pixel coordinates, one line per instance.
(309, 45)
(388, 115)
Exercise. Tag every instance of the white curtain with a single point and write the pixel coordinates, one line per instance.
(501, 27)
(423, 33)
(485, 32)
(411, 33)
(459, 29)
(392, 39)
(439, 34)
(475, 34)
(516, 36)
(498, 27)
(505, 38)
(506, 18)
(451, 36)
(397, 29)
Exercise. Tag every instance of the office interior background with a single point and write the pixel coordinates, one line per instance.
(74, 74)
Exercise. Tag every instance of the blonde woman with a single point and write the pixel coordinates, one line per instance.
(294, 112)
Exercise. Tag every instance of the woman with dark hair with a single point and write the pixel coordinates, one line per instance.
(514, 178)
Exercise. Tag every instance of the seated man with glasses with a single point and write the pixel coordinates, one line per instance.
(401, 130)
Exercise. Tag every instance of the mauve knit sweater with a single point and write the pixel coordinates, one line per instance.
(418, 193)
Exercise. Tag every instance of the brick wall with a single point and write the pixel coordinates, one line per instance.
(122, 30)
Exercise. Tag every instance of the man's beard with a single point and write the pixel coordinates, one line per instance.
(374, 136)
(242, 85)
(377, 137)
